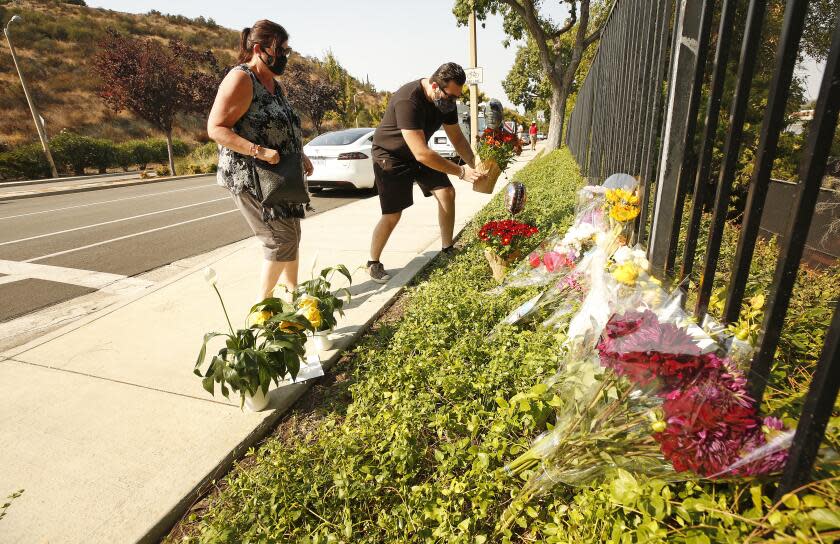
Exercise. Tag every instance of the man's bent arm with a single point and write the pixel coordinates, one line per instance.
(416, 140)
(460, 143)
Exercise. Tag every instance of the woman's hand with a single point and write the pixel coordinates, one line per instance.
(307, 166)
(271, 156)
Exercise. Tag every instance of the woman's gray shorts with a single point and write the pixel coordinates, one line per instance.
(280, 237)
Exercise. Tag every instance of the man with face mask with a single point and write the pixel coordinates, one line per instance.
(401, 156)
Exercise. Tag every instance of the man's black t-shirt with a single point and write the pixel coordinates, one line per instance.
(409, 109)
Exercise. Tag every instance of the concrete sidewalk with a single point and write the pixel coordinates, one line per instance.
(103, 423)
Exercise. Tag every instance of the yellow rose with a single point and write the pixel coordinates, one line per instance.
(308, 308)
(624, 212)
(626, 273)
(259, 318)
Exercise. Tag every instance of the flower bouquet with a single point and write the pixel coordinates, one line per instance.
(561, 252)
(496, 149)
(320, 305)
(502, 241)
(651, 401)
(622, 207)
(266, 350)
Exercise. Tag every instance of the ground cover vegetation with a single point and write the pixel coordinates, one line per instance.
(413, 449)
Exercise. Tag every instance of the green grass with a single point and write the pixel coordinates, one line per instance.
(435, 408)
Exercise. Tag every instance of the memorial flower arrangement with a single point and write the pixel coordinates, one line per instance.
(622, 205)
(640, 387)
(267, 350)
(498, 146)
(316, 301)
(503, 242)
(496, 150)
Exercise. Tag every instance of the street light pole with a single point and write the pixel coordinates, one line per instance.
(473, 88)
(39, 126)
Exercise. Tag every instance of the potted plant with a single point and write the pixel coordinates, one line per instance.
(503, 241)
(266, 350)
(316, 301)
(496, 149)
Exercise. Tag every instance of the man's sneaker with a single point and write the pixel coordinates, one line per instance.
(377, 272)
(449, 251)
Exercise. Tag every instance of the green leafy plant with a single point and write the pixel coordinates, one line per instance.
(319, 288)
(268, 349)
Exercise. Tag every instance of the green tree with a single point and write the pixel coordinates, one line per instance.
(559, 62)
(526, 84)
(465, 96)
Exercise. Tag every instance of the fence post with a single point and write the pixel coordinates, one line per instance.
(680, 82)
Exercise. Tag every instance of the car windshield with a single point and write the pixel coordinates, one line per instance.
(342, 137)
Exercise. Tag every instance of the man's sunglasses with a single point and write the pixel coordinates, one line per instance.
(448, 96)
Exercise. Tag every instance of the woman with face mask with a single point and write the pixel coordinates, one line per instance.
(252, 119)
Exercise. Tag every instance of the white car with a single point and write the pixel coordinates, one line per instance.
(341, 159)
(440, 144)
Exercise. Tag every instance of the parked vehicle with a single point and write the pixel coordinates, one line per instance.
(440, 144)
(540, 136)
(341, 159)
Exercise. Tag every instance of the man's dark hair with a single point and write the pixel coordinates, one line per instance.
(449, 72)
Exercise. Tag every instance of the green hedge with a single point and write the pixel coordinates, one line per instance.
(437, 409)
(74, 153)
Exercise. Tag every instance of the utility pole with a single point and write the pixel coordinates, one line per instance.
(39, 125)
(356, 107)
(473, 88)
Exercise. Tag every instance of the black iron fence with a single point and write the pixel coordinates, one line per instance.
(637, 112)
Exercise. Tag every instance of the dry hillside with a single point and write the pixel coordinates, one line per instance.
(55, 41)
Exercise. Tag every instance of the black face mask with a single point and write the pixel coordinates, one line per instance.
(445, 105)
(277, 64)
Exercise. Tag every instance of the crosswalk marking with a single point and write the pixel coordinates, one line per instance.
(18, 271)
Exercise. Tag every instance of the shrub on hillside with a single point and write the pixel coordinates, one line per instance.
(73, 153)
(26, 161)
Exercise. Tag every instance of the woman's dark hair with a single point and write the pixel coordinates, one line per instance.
(265, 33)
(449, 72)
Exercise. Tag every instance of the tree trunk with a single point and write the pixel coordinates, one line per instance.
(171, 153)
(558, 116)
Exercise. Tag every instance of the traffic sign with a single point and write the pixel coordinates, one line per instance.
(475, 76)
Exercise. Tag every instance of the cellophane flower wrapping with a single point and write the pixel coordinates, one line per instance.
(560, 253)
(643, 388)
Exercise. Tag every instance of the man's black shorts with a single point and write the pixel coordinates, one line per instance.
(395, 182)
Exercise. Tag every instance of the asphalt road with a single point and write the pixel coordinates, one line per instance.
(118, 231)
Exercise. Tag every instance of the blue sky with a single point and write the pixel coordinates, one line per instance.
(391, 41)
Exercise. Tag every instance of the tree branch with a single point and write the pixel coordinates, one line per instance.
(527, 12)
(594, 37)
(570, 22)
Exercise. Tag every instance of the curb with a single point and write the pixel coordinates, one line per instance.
(114, 185)
(68, 178)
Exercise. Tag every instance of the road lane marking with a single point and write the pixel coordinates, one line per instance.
(65, 231)
(66, 251)
(74, 276)
(11, 279)
(109, 201)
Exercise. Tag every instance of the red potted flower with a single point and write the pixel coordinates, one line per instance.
(503, 242)
(496, 149)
